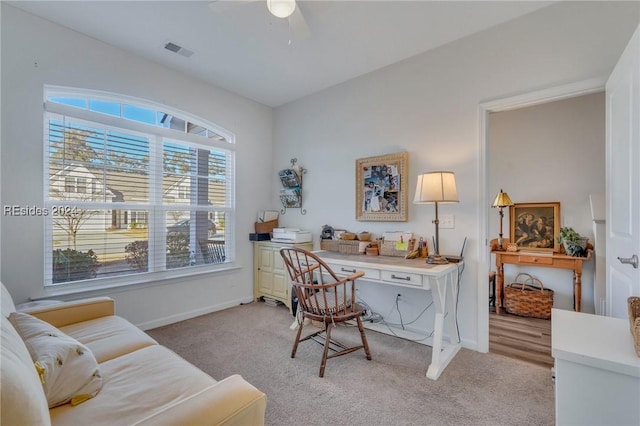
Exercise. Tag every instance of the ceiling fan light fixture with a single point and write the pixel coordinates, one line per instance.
(281, 8)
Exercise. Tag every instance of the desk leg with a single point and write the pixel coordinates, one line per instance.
(577, 291)
(441, 356)
(499, 286)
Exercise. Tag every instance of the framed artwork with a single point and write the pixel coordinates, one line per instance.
(381, 188)
(535, 226)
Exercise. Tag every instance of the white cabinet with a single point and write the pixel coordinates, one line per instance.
(270, 277)
(597, 370)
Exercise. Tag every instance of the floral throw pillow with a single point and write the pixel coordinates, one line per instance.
(68, 370)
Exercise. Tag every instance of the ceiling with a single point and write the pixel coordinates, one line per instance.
(240, 46)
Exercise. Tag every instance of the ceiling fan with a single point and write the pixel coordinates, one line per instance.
(283, 9)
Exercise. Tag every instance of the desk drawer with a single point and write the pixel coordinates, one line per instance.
(402, 278)
(369, 274)
(538, 260)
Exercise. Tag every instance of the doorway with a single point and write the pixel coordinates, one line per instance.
(523, 190)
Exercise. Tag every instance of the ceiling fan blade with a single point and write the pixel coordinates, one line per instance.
(299, 24)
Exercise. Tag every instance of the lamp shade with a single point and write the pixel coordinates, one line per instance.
(502, 200)
(436, 187)
(281, 8)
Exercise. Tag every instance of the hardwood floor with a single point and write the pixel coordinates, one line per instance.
(528, 339)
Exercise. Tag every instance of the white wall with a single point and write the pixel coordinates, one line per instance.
(36, 52)
(545, 153)
(428, 105)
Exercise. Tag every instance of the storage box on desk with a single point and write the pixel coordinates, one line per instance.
(259, 237)
(388, 248)
(266, 227)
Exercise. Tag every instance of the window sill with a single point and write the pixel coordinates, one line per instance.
(106, 286)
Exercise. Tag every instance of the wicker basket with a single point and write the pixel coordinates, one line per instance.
(349, 246)
(525, 299)
(329, 245)
(388, 248)
(634, 320)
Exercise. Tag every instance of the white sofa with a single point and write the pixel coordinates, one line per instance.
(143, 383)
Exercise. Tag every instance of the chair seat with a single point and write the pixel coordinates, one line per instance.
(319, 307)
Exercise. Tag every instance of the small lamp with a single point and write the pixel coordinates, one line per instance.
(437, 188)
(281, 8)
(502, 200)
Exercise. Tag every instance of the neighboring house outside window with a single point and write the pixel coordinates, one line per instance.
(139, 192)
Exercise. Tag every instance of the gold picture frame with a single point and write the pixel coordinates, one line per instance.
(535, 226)
(381, 188)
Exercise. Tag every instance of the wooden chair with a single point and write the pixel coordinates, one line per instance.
(325, 298)
(212, 251)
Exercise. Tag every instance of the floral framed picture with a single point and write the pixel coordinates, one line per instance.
(381, 188)
(535, 226)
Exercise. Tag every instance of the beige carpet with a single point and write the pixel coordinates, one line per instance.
(255, 341)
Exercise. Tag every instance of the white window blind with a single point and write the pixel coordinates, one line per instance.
(130, 193)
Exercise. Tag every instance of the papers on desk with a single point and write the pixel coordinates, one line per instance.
(400, 238)
(291, 235)
(397, 236)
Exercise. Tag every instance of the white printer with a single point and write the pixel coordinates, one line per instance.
(290, 235)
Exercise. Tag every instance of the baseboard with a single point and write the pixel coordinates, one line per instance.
(469, 344)
(148, 325)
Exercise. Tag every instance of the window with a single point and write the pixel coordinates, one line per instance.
(75, 184)
(133, 188)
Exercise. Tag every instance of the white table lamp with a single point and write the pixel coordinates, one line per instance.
(436, 188)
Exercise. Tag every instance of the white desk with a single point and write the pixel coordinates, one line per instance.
(442, 280)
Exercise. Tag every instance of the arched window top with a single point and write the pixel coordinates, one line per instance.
(136, 110)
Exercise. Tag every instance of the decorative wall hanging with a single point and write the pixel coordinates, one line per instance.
(381, 188)
(291, 193)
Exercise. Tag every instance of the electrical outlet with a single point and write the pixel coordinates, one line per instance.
(447, 221)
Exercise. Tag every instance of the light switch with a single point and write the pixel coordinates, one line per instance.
(447, 221)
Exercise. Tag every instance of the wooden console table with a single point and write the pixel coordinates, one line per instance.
(441, 280)
(549, 260)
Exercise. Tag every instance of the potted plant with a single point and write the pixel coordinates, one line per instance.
(573, 243)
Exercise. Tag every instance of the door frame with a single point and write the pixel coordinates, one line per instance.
(552, 94)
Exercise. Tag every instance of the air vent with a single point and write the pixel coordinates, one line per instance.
(172, 47)
(178, 49)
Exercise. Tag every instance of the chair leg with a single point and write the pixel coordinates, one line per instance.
(327, 342)
(295, 344)
(364, 338)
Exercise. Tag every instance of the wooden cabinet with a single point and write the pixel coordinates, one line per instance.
(270, 278)
(597, 370)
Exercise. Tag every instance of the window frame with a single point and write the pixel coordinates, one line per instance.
(155, 208)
